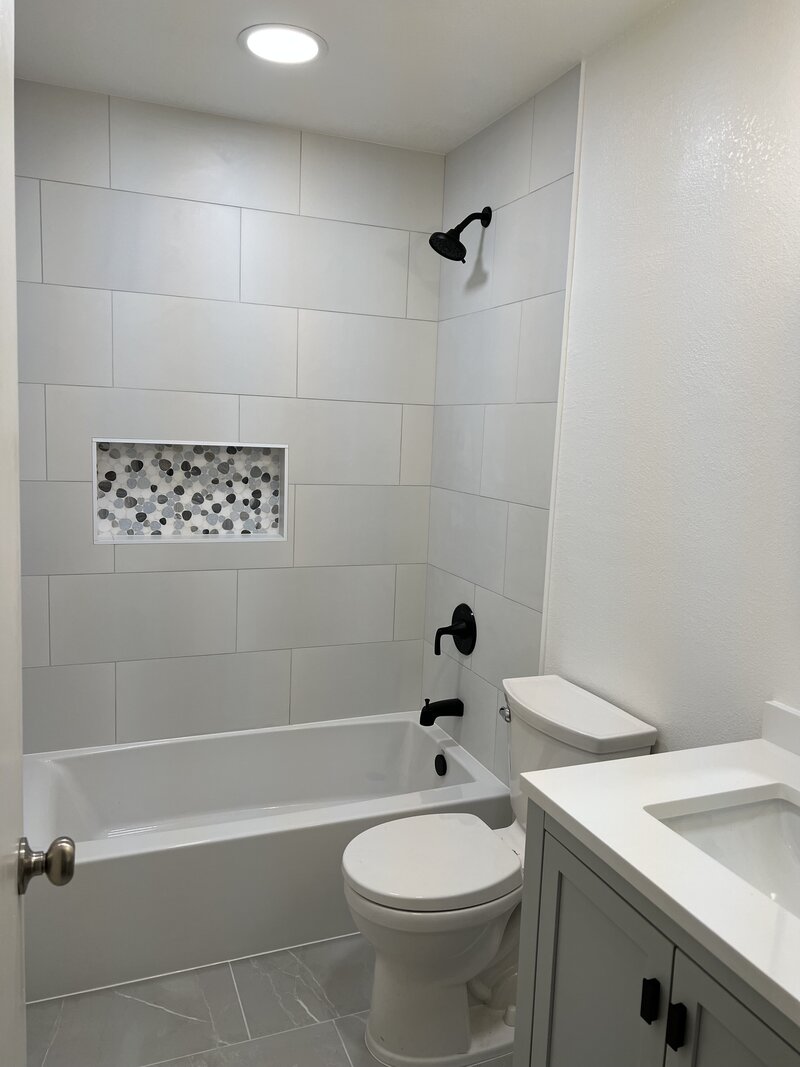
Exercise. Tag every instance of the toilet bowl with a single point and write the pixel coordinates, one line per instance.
(438, 896)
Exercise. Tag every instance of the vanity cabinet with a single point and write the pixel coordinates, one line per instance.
(612, 990)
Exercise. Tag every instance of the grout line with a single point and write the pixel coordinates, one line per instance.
(44, 407)
(300, 176)
(408, 270)
(400, 462)
(49, 627)
(108, 109)
(236, 616)
(394, 606)
(240, 254)
(113, 375)
(116, 724)
(297, 355)
(341, 1042)
(241, 1006)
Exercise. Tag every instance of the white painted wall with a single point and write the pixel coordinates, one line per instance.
(191, 277)
(498, 360)
(675, 572)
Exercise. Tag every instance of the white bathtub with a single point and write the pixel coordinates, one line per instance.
(203, 849)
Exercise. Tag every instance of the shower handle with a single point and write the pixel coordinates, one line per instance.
(58, 863)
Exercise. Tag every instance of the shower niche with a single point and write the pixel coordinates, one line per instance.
(156, 492)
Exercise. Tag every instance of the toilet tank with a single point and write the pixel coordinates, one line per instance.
(555, 724)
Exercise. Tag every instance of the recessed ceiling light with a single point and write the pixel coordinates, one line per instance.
(282, 44)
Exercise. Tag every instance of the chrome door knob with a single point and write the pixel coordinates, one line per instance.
(58, 863)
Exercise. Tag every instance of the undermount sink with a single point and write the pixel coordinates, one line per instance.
(754, 833)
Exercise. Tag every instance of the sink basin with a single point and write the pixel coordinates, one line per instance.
(756, 838)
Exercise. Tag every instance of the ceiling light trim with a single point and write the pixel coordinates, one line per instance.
(249, 31)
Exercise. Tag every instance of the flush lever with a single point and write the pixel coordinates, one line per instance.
(58, 863)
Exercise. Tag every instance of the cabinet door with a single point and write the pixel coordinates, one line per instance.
(595, 953)
(719, 1031)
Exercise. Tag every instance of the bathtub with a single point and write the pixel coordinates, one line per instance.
(197, 850)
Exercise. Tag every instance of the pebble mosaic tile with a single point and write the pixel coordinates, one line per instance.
(187, 490)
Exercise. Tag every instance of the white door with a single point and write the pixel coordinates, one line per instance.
(12, 1006)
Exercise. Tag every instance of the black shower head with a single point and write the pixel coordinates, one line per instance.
(449, 244)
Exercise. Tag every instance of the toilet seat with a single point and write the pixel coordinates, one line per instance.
(431, 863)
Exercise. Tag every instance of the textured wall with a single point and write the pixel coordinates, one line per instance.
(498, 361)
(185, 277)
(675, 574)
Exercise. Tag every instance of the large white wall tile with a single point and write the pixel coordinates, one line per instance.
(29, 230)
(440, 675)
(345, 525)
(518, 442)
(555, 129)
(61, 134)
(173, 152)
(164, 342)
(445, 592)
(417, 445)
(106, 239)
(57, 533)
(317, 263)
(467, 287)
(468, 536)
(202, 695)
(409, 601)
(346, 680)
(508, 638)
(423, 279)
(35, 623)
(329, 441)
(476, 730)
(491, 168)
(32, 433)
(532, 244)
(457, 448)
(540, 349)
(64, 334)
(98, 618)
(357, 181)
(68, 707)
(364, 357)
(526, 555)
(76, 414)
(308, 606)
(477, 357)
(212, 553)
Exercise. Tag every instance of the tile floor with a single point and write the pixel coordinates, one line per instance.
(304, 1007)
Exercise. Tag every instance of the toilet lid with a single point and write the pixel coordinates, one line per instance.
(431, 863)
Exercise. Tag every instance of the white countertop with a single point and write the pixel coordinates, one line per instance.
(603, 806)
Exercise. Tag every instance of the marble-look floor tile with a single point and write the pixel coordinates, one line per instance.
(309, 1046)
(138, 1024)
(312, 984)
(352, 1031)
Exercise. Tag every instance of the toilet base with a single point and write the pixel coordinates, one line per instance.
(490, 1037)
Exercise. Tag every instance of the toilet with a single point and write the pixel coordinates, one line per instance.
(438, 896)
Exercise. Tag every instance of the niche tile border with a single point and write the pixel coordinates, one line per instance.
(180, 492)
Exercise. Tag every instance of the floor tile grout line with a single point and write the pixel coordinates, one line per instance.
(239, 998)
(341, 1042)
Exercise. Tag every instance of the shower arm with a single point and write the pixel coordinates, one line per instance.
(458, 230)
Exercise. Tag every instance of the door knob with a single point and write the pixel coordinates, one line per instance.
(58, 863)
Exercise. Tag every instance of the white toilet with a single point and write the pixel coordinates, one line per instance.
(438, 895)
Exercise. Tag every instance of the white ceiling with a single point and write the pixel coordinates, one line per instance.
(422, 74)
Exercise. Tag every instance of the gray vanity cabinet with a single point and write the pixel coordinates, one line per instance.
(600, 967)
(720, 1031)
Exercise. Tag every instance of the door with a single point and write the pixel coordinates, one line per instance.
(602, 973)
(12, 1008)
(712, 1029)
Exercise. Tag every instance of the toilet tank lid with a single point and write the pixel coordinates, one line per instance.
(568, 713)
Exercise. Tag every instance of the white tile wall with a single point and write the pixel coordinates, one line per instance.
(107, 239)
(171, 152)
(417, 444)
(362, 182)
(339, 443)
(35, 622)
(102, 618)
(29, 231)
(57, 535)
(497, 378)
(64, 334)
(322, 264)
(32, 433)
(308, 606)
(409, 603)
(423, 279)
(351, 525)
(61, 134)
(68, 707)
(346, 680)
(202, 695)
(75, 415)
(165, 342)
(363, 357)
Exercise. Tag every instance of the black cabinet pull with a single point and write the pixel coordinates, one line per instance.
(676, 1026)
(651, 999)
